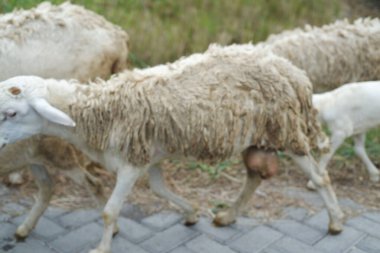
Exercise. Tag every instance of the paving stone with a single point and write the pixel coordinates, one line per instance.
(4, 217)
(13, 209)
(356, 250)
(346, 202)
(319, 220)
(32, 246)
(44, 228)
(369, 244)
(373, 216)
(133, 231)
(133, 212)
(76, 239)
(162, 220)
(295, 213)
(341, 242)
(298, 231)
(202, 244)
(121, 245)
(169, 239)
(221, 234)
(365, 225)
(78, 218)
(182, 249)
(311, 198)
(256, 240)
(3, 190)
(290, 245)
(7, 230)
(244, 224)
(54, 212)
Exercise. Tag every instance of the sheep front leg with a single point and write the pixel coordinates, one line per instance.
(359, 140)
(126, 178)
(157, 184)
(321, 180)
(337, 139)
(44, 184)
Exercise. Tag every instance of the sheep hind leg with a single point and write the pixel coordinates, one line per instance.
(321, 180)
(44, 184)
(226, 217)
(126, 178)
(373, 172)
(157, 184)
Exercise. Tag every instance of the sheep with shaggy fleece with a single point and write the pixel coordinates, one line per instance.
(206, 107)
(64, 41)
(333, 54)
(350, 110)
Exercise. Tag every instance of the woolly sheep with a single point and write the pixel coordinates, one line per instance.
(333, 54)
(207, 107)
(64, 41)
(347, 111)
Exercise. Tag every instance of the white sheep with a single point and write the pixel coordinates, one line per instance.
(207, 106)
(350, 110)
(334, 54)
(64, 41)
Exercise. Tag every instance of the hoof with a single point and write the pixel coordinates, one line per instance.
(115, 230)
(335, 229)
(310, 185)
(21, 233)
(191, 219)
(224, 218)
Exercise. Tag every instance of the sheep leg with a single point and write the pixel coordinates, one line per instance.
(157, 184)
(337, 139)
(228, 216)
(126, 178)
(362, 154)
(44, 184)
(321, 180)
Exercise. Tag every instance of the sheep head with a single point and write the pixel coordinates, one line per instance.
(24, 110)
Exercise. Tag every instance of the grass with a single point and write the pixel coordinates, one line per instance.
(164, 30)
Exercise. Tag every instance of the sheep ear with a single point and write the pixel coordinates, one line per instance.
(51, 113)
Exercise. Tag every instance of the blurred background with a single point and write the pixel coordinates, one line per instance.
(163, 30)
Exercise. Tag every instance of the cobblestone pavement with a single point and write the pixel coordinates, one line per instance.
(60, 231)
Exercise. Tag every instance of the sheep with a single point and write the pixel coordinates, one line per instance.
(40, 152)
(333, 54)
(206, 106)
(83, 44)
(349, 110)
(64, 41)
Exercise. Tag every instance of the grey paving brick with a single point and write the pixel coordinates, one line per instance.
(341, 242)
(76, 239)
(45, 227)
(245, 224)
(32, 246)
(133, 212)
(374, 216)
(78, 218)
(290, 245)
(369, 244)
(54, 212)
(221, 234)
(3, 190)
(256, 240)
(319, 220)
(346, 202)
(121, 245)
(4, 217)
(298, 231)
(7, 230)
(182, 249)
(169, 239)
(13, 209)
(356, 250)
(311, 198)
(365, 225)
(133, 231)
(203, 244)
(295, 213)
(162, 220)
